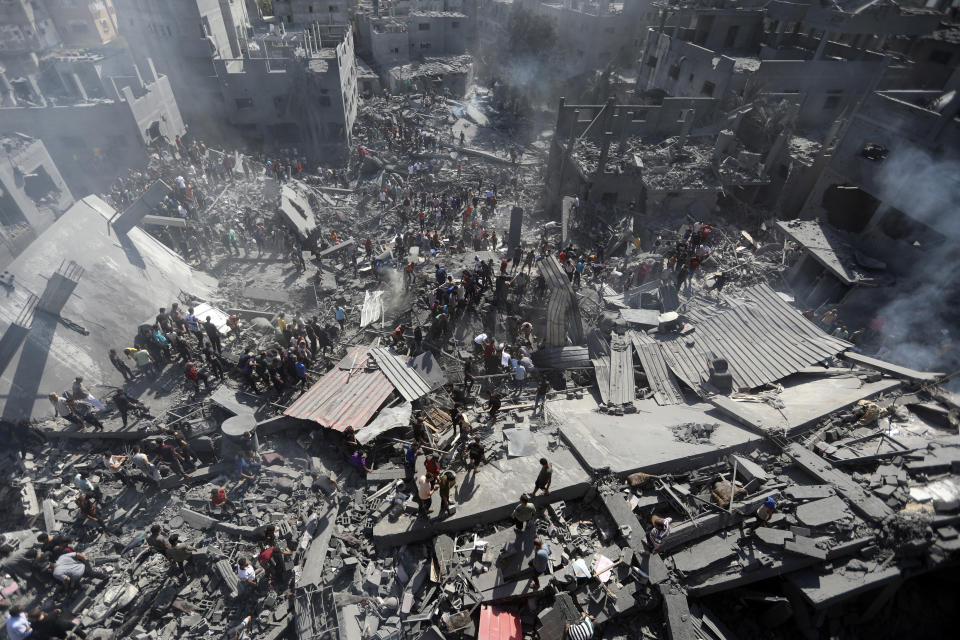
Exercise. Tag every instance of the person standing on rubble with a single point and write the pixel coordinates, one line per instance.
(213, 334)
(125, 404)
(425, 491)
(493, 406)
(523, 513)
(246, 577)
(540, 562)
(448, 480)
(657, 533)
(120, 366)
(141, 462)
(766, 511)
(544, 478)
(341, 316)
(193, 326)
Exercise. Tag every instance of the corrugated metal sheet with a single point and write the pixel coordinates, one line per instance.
(601, 369)
(760, 335)
(348, 395)
(563, 312)
(497, 624)
(664, 386)
(622, 387)
(412, 378)
(562, 358)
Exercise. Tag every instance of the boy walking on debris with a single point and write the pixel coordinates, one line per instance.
(544, 478)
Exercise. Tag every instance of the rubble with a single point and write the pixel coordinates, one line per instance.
(471, 381)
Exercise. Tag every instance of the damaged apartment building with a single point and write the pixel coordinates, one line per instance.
(96, 111)
(289, 80)
(414, 45)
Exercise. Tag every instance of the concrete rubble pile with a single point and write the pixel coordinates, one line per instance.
(502, 426)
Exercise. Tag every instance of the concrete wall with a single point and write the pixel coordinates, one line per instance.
(389, 48)
(633, 120)
(437, 34)
(16, 201)
(825, 88)
(302, 12)
(682, 68)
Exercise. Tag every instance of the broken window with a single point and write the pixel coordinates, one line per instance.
(652, 61)
(323, 101)
(831, 103)
(874, 152)
(731, 36)
(454, 25)
(244, 103)
(674, 71)
(424, 26)
(153, 132)
(424, 45)
(38, 184)
(310, 8)
(707, 89)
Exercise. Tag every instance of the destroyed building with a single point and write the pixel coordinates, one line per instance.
(416, 47)
(32, 193)
(371, 350)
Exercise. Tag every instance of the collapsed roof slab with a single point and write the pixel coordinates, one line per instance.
(645, 441)
(124, 280)
(491, 494)
(808, 400)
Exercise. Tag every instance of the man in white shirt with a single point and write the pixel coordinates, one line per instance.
(247, 576)
(425, 489)
(18, 627)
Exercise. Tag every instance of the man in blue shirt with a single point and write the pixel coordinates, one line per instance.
(341, 316)
(541, 560)
(410, 459)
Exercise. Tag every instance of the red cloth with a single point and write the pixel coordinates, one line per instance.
(219, 499)
(265, 555)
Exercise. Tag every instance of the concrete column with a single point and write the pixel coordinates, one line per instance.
(781, 28)
(604, 152)
(820, 47)
(35, 90)
(775, 150)
(688, 116)
(79, 86)
(239, 434)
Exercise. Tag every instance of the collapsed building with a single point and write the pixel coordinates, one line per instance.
(649, 395)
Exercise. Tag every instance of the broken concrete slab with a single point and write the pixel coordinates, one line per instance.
(748, 469)
(868, 506)
(774, 537)
(824, 511)
(809, 491)
(677, 612)
(705, 554)
(806, 547)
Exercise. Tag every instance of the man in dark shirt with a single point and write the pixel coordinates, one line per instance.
(168, 454)
(125, 404)
(213, 334)
(540, 400)
(120, 365)
(544, 478)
